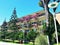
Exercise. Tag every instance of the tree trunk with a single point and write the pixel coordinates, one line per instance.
(48, 14)
(13, 40)
(33, 42)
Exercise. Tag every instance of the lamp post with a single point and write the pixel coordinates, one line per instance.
(53, 5)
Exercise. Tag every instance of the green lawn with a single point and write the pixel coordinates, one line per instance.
(56, 44)
(30, 43)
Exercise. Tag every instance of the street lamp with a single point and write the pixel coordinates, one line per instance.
(53, 5)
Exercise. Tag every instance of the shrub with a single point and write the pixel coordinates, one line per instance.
(41, 40)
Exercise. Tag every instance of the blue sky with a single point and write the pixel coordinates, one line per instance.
(23, 8)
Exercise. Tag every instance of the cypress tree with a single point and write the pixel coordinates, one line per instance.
(4, 29)
(13, 26)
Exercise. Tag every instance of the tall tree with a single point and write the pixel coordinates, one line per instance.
(4, 29)
(30, 36)
(49, 20)
(21, 36)
(12, 25)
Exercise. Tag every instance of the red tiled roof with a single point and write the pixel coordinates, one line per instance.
(26, 18)
(34, 15)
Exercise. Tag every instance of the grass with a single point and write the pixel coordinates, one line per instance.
(10, 41)
(30, 43)
(56, 44)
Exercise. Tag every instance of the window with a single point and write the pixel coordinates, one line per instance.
(40, 23)
(41, 14)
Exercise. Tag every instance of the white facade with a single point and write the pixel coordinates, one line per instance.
(58, 17)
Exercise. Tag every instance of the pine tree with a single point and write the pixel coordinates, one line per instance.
(14, 16)
(13, 26)
(4, 29)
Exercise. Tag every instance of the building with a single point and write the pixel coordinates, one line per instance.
(58, 17)
(32, 22)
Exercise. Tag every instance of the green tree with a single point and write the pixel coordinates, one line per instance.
(4, 29)
(20, 36)
(49, 27)
(32, 35)
(13, 26)
(41, 40)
